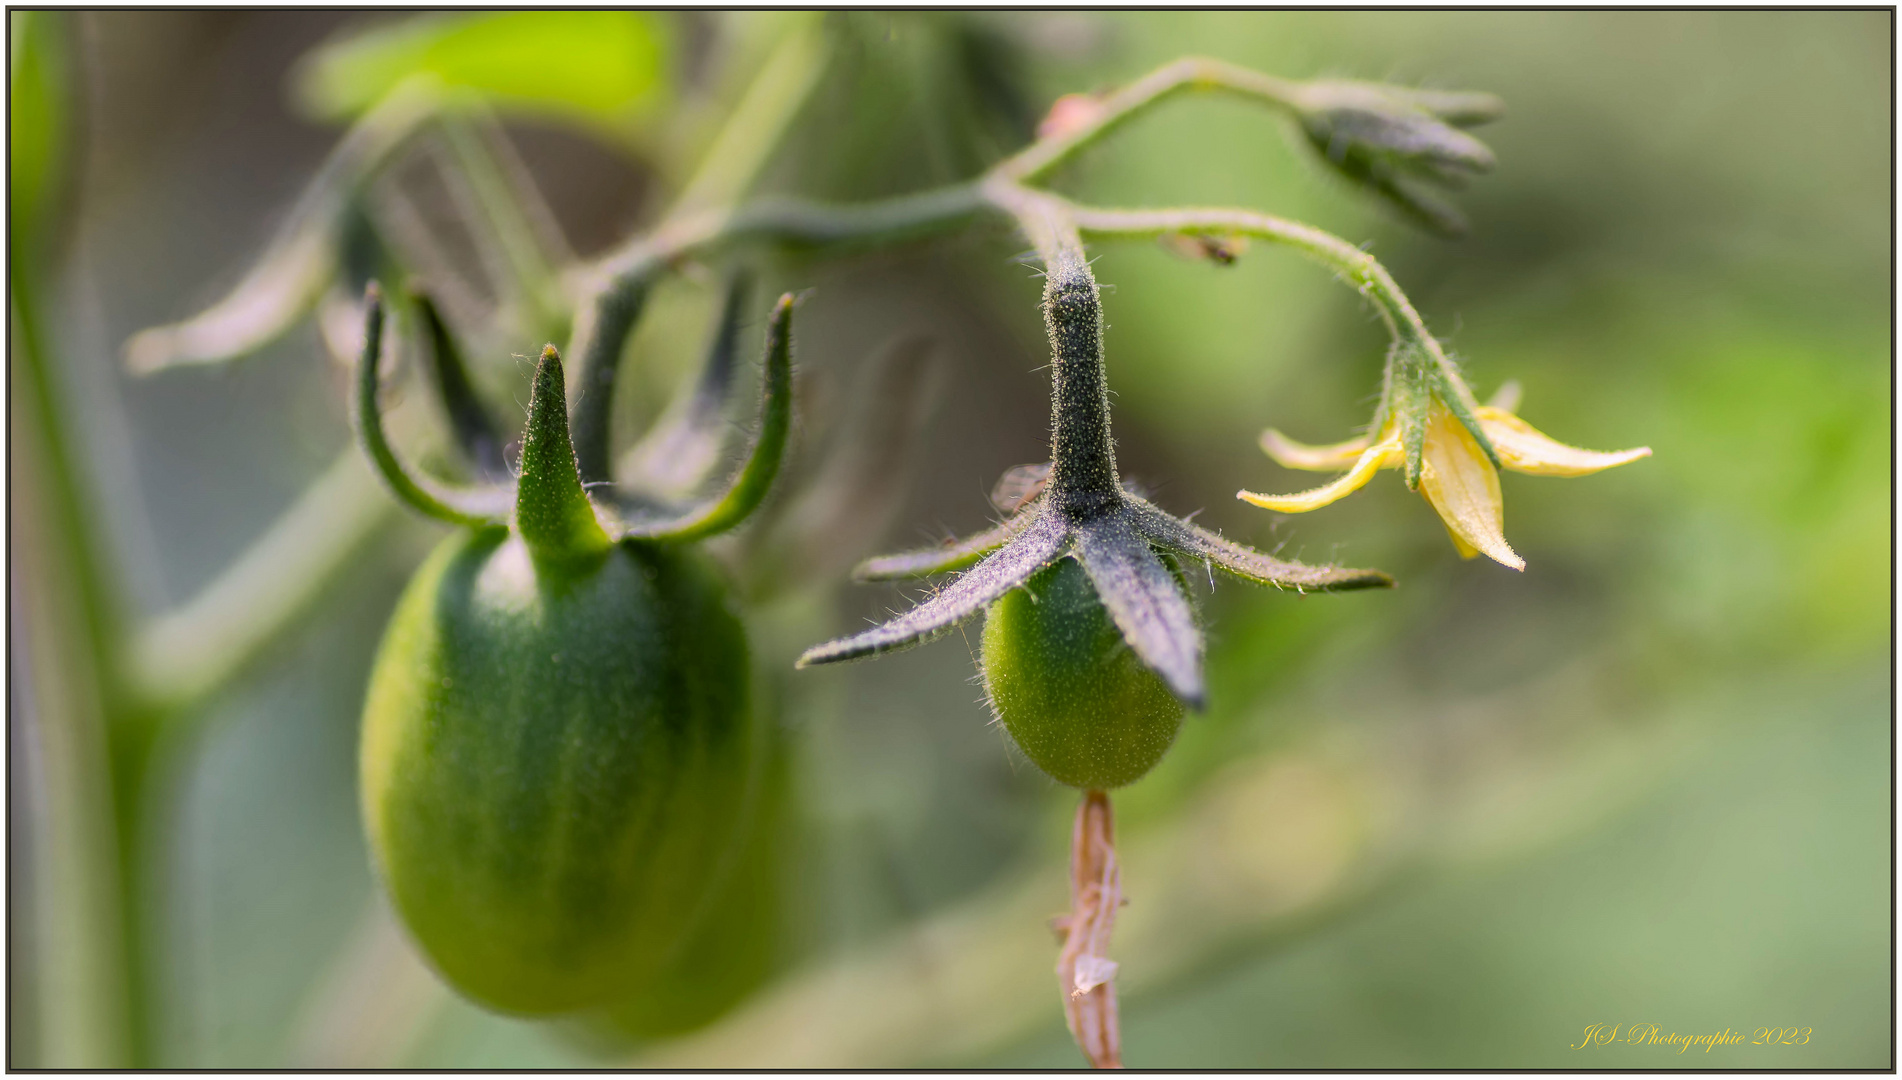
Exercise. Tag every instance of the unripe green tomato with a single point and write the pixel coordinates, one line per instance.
(741, 942)
(1069, 690)
(554, 761)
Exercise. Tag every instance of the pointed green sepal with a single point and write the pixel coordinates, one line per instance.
(750, 485)
(613, 323)
(461, 506)
(476, 431)
(552, 511)
(683, 447)
(1408, 399)
(1413, 441)
(945, 558)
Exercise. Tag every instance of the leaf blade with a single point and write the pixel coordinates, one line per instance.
(598, 67)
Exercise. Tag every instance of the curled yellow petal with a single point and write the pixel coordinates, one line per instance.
(1464, 489)
(1523, 448)
(1369, 462)
(1295, 455)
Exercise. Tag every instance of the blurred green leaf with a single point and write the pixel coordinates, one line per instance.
(595, 66)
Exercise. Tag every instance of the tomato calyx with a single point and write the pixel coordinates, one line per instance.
(1084, 511)
(557, 515)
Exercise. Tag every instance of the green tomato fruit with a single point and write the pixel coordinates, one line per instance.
(739, 945)
(554, 765)
(1069, 689)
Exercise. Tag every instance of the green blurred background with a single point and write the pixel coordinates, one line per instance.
(1453, 826)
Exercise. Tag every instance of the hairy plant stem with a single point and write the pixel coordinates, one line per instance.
(1354, 265)
(1083, 479)
(1054, 225)
(1188, 73)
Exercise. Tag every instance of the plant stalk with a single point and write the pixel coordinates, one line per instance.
(88, 719)
(1083, 480)
(1085, 973)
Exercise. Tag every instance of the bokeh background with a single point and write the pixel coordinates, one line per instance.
(1646, 782)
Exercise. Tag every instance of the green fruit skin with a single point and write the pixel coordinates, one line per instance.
(741, 944)
(553, 766)
(1067, 687)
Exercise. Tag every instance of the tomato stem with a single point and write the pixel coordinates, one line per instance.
(1083, 480)
(1084, 971)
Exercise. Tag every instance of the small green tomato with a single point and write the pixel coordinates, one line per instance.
(561, 776)
(740, 941)
(553, 766)
(1069, 689)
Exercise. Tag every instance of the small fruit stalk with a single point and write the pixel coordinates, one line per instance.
(1084, 968)
(561, 770)
(1091, 649)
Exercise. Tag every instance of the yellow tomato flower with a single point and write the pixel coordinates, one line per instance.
(1455, 475)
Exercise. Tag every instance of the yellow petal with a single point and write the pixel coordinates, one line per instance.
(1506, 398)
(1293, 455)
(1464, 489)
(1370, 462)
(1466, 550)
(1522, 448)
